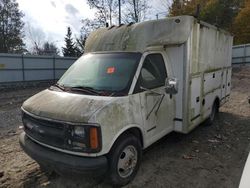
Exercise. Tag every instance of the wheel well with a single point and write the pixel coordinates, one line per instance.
(217, 103)
(134, 131)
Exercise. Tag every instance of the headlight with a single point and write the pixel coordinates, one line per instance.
(79, 131)
(84, 138)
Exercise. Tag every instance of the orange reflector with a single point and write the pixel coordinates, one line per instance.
(93, 138)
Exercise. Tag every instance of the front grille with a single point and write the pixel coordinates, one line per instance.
(44, 131)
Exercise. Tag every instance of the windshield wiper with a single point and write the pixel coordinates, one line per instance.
(59, 86)
(85, 89)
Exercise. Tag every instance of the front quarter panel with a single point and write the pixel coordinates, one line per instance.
(117, 117)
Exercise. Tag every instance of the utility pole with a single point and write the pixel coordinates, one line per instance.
(119, 4)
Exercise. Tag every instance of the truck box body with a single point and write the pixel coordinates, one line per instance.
(198, 53)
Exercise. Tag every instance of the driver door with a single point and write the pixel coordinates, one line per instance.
(157, 106)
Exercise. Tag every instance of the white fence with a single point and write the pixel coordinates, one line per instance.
(241, 54)
(21, 68)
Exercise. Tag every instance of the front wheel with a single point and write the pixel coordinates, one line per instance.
(124, 160)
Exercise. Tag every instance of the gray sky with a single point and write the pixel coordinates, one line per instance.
(49, 19)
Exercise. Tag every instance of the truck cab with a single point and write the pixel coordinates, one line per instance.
(134, 85)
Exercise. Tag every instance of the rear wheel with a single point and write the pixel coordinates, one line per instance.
(124, 160)
(213, 114)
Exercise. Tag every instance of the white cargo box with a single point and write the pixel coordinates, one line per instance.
(198, 53)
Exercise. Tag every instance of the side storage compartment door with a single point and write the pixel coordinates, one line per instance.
(211, 90)
(195, 106)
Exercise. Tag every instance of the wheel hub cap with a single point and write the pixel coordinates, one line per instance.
(127, 161)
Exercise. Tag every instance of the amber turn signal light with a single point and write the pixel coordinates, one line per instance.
(94, 138)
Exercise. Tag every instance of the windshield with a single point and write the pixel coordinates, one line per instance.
(111, 72)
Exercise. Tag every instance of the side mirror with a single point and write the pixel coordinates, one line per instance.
(171, 86)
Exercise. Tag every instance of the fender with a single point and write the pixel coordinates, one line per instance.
(123, 130)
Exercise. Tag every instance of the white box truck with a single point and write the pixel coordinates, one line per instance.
(134, 84)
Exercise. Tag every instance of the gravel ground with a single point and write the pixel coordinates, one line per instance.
(210, 156)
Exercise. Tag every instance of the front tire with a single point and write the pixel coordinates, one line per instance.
(124, 160)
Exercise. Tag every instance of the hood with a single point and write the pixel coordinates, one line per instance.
(65, 106)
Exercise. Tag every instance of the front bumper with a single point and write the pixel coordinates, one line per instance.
(62, 162)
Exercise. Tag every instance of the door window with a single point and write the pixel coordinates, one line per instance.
(153, 73)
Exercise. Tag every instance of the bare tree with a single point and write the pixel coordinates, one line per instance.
(163, 6)
(80, 44)
(87, 27)
(91, 25)
(135, 10)
(106, 9)
(35, 37)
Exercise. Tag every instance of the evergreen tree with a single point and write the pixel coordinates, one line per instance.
(47, 48)
(69, 50)
(50, 49)
(11, 27)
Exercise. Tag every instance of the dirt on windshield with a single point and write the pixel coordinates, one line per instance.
(210, 156)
